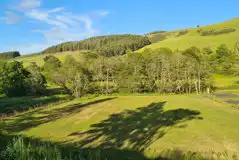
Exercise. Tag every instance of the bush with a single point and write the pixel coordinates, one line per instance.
(182, 32)
(15, 80)
(216, 32)
(156, 32)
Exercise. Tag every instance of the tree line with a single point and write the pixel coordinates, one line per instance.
(153, 71)
(9, 55)
(113, 45)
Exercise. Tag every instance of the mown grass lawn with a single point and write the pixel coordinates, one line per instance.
(148, 124)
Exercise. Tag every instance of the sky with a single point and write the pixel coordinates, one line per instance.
(30, 26)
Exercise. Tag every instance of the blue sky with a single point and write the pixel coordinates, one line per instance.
(32, 25)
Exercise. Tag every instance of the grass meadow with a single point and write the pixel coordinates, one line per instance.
(144, 126)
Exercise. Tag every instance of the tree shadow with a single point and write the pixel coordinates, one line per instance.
(71, 151)
(9, 105)
(28, 120)
(138, 129)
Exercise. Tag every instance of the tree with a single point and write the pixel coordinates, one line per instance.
(51, 65)
(13, 79)
(73, 77)
(36, 82)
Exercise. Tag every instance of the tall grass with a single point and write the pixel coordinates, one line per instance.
(18, 149)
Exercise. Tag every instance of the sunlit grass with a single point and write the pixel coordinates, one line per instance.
(156, 123)
(193, 38)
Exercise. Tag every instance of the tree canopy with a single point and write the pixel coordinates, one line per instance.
(113, 45)
(9, 55)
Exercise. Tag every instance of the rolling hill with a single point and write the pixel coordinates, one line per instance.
(194, 37)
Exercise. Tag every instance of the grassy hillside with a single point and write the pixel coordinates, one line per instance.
(193, 38)
(148, 124)
(38, 58)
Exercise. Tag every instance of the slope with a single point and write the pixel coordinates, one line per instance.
(193, 37)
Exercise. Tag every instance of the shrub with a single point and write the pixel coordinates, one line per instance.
(156, 32)
(217, 32)
(182, 32)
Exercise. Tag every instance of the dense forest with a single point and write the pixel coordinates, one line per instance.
(153, 71)
(112, 45)
(9, 55)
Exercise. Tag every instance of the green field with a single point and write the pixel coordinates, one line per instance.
(38, 58)
(147, 124)
(193, 38)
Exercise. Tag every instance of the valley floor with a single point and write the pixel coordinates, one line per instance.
(149, 124)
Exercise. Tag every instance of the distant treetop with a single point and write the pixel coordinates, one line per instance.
(9, 55)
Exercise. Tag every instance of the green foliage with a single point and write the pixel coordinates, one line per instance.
(156, 32)
(207, 50)
(17, 149)
(21, 149)
(36, 82)
(73, 77)
(182, 32)
(51, 63)
(216, 32)
(13, 79)
(9, 55)
(224, 61)
(113, 45)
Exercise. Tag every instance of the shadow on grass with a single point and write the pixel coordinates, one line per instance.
(138, 129)
(28, 120)
(10, 105)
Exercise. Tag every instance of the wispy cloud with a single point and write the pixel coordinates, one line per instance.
(11, 17)
(104, 13)
(44, 16)
(27, 4)
(61, 24)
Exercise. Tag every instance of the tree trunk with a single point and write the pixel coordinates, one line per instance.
(107, 82)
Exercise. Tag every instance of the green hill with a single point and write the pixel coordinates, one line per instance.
(111, 45)
(223, 33)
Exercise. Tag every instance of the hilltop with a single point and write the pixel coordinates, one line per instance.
(206, 36)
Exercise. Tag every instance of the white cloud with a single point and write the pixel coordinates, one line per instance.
(27, 4)
(62, 25)
(104, 13)
(11, 17)
(44, 16)
(56, 10)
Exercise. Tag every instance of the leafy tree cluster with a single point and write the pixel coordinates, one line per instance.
(15, 80)
(223, 60)
(159, 71)
(216, 32)
(9, 55)
(113, 45)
